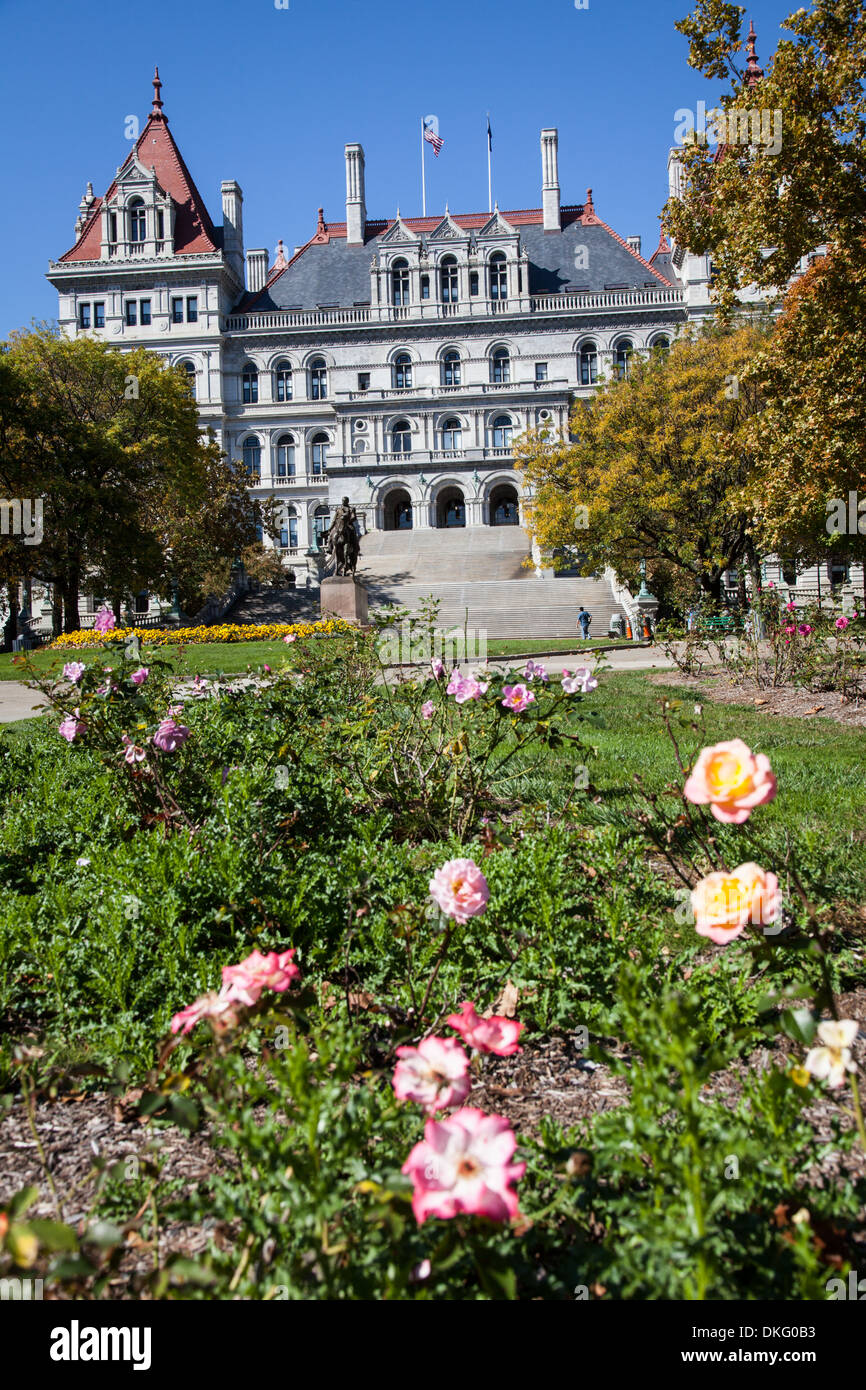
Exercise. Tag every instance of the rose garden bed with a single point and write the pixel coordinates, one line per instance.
(249, 931)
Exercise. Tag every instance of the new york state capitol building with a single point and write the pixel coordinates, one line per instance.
(393, 361)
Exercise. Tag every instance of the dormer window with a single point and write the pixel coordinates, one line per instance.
(448, 280)
(137, 220)
(498, 276)
(400, 282)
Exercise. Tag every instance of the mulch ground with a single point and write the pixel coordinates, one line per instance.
(789, 701)
(549, 1077)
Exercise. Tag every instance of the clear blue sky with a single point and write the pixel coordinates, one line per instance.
(269, 97)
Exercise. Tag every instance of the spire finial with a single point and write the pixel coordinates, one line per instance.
(156, 109)
(754, 72)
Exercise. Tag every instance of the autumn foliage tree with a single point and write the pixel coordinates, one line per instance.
(761, 213)
(656, 465)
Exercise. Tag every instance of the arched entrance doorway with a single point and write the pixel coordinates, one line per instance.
(450, 508)
(398, 510)
(504, 505)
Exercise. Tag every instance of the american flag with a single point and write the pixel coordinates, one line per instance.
(433, 139)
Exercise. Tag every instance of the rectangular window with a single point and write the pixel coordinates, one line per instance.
(192, 309)
(131, 313)
(425, 286)
(541, 371)
(473, 282)
(160, 224)
(177, 311)
(112, 226)
(144, 312)
(99, 314)
(363, 381)
(84, 316)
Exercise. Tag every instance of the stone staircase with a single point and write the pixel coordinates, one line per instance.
(476, 573)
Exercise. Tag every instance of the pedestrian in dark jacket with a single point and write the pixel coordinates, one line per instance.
(584, 619)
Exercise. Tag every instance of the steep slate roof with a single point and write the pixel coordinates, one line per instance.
(327, 272)
(155, 148)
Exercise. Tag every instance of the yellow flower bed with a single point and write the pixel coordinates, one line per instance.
(220, 632)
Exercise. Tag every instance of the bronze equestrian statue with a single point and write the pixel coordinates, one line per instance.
(342, 544)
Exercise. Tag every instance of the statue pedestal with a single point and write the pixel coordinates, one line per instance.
(344, 598)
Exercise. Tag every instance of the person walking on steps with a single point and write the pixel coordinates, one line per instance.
(584, 619)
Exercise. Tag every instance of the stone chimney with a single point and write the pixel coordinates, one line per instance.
(356, 208)
(257, 269)
(550, 179)
(634, 243)
(233, 226)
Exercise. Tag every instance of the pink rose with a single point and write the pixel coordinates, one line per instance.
(465, 688)
(291, 637)
(495, 1034)
(248, 978)
(134, 753)
(435, 1074)
(732, 780)
(517, 697)
(427, 709)
(140, 676)
(463, 1164)
(74, 670)
(790, 607)
(725, 903)
(460, 889)
(104, 621)
(804, 629)
(533, 670)
(841, 624)
(583, 680)
(437, 666)
(170, 736)
(71, 727)
(219, 1008)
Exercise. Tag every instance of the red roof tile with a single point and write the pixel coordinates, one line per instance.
(155, 148)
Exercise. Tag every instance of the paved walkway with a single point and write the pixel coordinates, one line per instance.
(17, 701)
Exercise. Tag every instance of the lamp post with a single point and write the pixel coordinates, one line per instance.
(647, 603)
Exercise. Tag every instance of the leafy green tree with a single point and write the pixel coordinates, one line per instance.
(111, 441)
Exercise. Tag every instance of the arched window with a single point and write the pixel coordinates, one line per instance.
(448, 280)
(504, 506)
(249, 385)
(500, 366)
(252, 451)
(283, 380)
(622, 355)
(398, 511)
(318, 379)
(451, 369)
(401, 437)
(402, 371)
(321, 519)
(588, 361)
(450, 508)
(137, 220)
(190, 377)
(289, 530)
(502, 431)
(662, 342)
(452, 435)
(286, 456)
(320, 453)
(498, 276)
(400, 282)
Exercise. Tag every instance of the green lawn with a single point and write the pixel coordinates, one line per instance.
(209, 658)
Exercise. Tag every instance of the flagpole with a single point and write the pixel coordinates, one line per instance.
(423, 179)
(489, 168)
